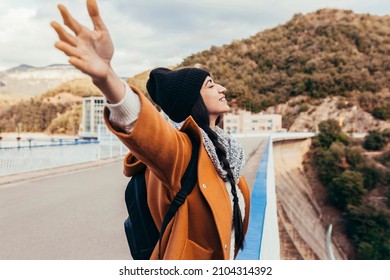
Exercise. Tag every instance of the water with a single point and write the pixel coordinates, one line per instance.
(31, 154)
(24, 156)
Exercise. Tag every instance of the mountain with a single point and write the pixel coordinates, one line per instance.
(314, 56)
(21, 67)
(25, 81)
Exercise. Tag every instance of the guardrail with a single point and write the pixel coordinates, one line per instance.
(254, 236)
(31, 155)
(262, 239)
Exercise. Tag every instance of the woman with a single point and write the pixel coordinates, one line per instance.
(213, 221)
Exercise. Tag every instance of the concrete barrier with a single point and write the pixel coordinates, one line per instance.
(262, 240)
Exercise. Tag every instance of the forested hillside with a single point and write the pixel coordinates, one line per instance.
(326, 53)
(56, 111)
(350, 179)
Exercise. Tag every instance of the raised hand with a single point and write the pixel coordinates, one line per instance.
(90, 51)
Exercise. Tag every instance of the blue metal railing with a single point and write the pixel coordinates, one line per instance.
(262, 239)
(257, 213)
(39, 143)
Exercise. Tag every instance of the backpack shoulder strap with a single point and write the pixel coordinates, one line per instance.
(187, 182)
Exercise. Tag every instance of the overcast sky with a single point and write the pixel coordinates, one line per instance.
(150, 33)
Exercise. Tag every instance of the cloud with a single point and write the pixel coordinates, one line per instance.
(153, 32)
(170, 31)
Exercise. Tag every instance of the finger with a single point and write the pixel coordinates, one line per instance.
(69, 21)
(93, 11)
(78, 63)
(63, 34)
(67, 49)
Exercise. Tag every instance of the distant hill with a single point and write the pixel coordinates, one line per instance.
(25, 81)
(77, 87)
(46, 112)
(21, 67)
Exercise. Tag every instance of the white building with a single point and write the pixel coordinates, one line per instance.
(92, 116)
(239, 122)
(244, 122)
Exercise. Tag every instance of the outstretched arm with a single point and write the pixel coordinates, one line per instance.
(90, 51)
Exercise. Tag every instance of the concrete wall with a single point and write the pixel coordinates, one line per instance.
(298, 213)
(285, 220)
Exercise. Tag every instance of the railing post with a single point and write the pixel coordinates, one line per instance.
(99, 141)
(328, 243)
(111, 148)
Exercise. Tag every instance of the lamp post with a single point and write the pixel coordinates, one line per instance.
(18, 138)
(29, 142)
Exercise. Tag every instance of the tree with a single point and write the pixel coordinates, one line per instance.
(329, 132)
(374, 141)
(346, 189)
(369, 230)
(382, 112)
(372, 176)
(328, 162)
(355, 156)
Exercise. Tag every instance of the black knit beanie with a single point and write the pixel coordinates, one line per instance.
(176, 91)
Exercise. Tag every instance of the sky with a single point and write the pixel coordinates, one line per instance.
(151, 33)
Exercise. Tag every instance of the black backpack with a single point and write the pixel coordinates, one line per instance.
(141, 231)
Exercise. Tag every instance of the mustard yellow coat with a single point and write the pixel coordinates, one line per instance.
(202, 226)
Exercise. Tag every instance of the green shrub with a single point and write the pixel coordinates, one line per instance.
(329, 130)
(366, 251)
(372, 176)
(346, 189)
(382, 112)
(374, 141)
(354, 156)
(328, 163)
(369, 230)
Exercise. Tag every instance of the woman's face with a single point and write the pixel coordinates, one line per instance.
(214, 98)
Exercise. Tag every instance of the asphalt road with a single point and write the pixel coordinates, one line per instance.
(73, 213)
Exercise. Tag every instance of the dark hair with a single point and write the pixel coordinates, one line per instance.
(201, 116)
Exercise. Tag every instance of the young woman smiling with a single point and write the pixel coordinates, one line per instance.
(213, 221)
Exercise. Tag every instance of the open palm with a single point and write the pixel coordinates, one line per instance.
(89, 50)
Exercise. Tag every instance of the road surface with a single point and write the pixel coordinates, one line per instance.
(73, 213)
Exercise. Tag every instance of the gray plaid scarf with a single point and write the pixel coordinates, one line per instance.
(234, 152)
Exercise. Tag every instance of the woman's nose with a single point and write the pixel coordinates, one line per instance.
(222, 88)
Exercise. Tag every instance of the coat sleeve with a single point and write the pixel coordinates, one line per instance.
(164, 149)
